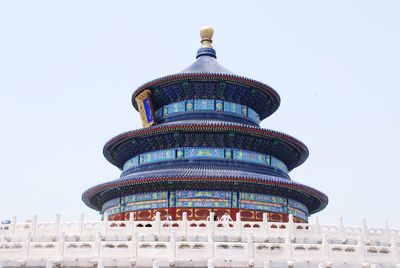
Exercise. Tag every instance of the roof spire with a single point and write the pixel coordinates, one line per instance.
(206, 34)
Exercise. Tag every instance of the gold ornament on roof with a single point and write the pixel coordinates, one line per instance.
(206, 34)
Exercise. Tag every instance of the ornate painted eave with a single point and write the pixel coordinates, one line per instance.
(315, 199)
(226, 77)
(213, 126)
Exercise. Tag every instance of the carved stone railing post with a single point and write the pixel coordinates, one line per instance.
(172, 245)
(184, 223)
(288, 246)
(365, 230)
(291, 228)
(157, 223)
(250, 247)
(27, 245)
(13, 223)
(96, 246)
(325, 247)
(265, 225)
(61, 242)
(394, 249)
(317, 227)
(57, 224)
(131, 223)
(362, 249)
(34, 223)
(135, 243)
(238, 226)
(341, 229)
(81, 223)
(210, 243)
(387, 231)
(211, 224)
(105, 223)
(210, 263)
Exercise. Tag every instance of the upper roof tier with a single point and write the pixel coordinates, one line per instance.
(206, 79)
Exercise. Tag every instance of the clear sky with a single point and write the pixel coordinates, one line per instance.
(68, 69)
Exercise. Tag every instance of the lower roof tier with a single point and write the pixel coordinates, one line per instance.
(205, 133)
(194, 176)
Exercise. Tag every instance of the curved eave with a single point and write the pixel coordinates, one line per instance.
(165, 80)
(307, 191)
(214, 127)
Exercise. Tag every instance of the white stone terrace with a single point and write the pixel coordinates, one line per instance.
(195, 244)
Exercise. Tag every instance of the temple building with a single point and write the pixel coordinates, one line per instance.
(202, 150)
(200, 154)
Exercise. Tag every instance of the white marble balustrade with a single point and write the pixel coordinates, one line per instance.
(195, 244)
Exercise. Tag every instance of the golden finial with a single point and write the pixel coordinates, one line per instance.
(206, 34)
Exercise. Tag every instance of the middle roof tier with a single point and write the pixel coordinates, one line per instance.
(237, 137)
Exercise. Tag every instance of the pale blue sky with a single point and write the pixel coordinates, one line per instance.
(68, 69)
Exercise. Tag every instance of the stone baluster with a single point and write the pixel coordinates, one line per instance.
(387, 231)
(172, 246)
(105, 223)
(210, 263)
(394, 249)
(135, 241)
(157, 223)
(61, 242)
(325, 247)
(362, 249)
(131, 223)
(57, 224)
(365, 230)
(13, 225)
(288, 245)
(265, 225)
(210, 243)
(321, 265)
(341, 229)
(81, 223)
(96, 246)
(27, 245)
(34, 224)
(238, 225)
(317, 227)
(211, 225)
(100, 264)
(291, 228)
(250, 247)
(184, 223)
